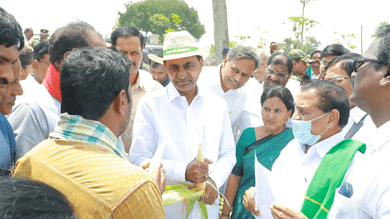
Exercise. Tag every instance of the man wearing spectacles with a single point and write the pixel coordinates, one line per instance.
(371, 92)
(330, 52)
(360, 126)
(278, 72)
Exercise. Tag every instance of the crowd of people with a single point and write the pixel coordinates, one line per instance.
(81, 121)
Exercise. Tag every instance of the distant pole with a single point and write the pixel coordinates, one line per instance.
(361, 38)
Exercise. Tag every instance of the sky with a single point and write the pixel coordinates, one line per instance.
(255, 18)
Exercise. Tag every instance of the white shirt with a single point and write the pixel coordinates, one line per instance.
(370, 181)
(30, 86)
(294, 86)
(143, 86)
(165, 118)
(313, 75)
(210, 81)
(366, 131)
(293, 170)
(33, 118)
(251, 116)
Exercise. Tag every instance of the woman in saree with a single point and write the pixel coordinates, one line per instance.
(265, 141)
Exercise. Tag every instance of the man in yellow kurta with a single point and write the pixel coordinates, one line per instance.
(83, 158)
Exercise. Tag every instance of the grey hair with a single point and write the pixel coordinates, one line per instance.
(240, 52)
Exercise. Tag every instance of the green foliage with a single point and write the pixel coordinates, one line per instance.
(161, 16)
(346, 39)
(231, 45)
(305, 1)
(297, 25)
(381, 24)
(310, 45)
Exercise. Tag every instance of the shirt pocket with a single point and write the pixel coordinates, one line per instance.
(343, 207)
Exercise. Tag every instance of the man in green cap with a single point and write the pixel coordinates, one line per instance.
(300, 62)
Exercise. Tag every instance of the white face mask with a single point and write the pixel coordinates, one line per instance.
(302, 131)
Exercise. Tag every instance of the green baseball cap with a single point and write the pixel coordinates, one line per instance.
(297, 53)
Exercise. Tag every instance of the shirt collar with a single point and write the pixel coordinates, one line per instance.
(142, 81)
(357, 114)
(74, 127)
(325, 145)
(381, 136)
(173, 93)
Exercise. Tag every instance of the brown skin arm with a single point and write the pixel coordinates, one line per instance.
(231, 192)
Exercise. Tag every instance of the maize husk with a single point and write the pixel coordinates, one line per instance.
(175, 194)
(156, 161)
(200, 158)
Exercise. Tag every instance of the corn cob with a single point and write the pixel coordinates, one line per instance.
(156, 161)
(200, 158)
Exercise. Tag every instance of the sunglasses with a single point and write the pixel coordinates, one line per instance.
(358, 62)
(280, 74)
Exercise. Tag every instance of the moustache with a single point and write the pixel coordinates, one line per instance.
(315, 62)
(234, 81)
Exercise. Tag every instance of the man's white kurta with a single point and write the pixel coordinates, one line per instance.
(294, 169)
(165, 118)
(370, 181)
(368, 129)
(210, 81)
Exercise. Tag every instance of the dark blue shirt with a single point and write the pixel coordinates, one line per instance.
(7, 143)
(166, 82)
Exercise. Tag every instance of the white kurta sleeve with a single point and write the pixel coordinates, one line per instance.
(227, 154)
(144, 142)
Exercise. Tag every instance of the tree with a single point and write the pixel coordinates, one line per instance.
(221, 36)
(231, 45)
(161, 16)
(346, 39)
(381, 24)
(310, 44)
(303, 2)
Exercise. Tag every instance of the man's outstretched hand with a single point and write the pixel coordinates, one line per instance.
(158, 176)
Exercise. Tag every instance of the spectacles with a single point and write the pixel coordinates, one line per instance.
(280, 74)
(336, 79)
(324, 63)
(358, 62)
(47, 63)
